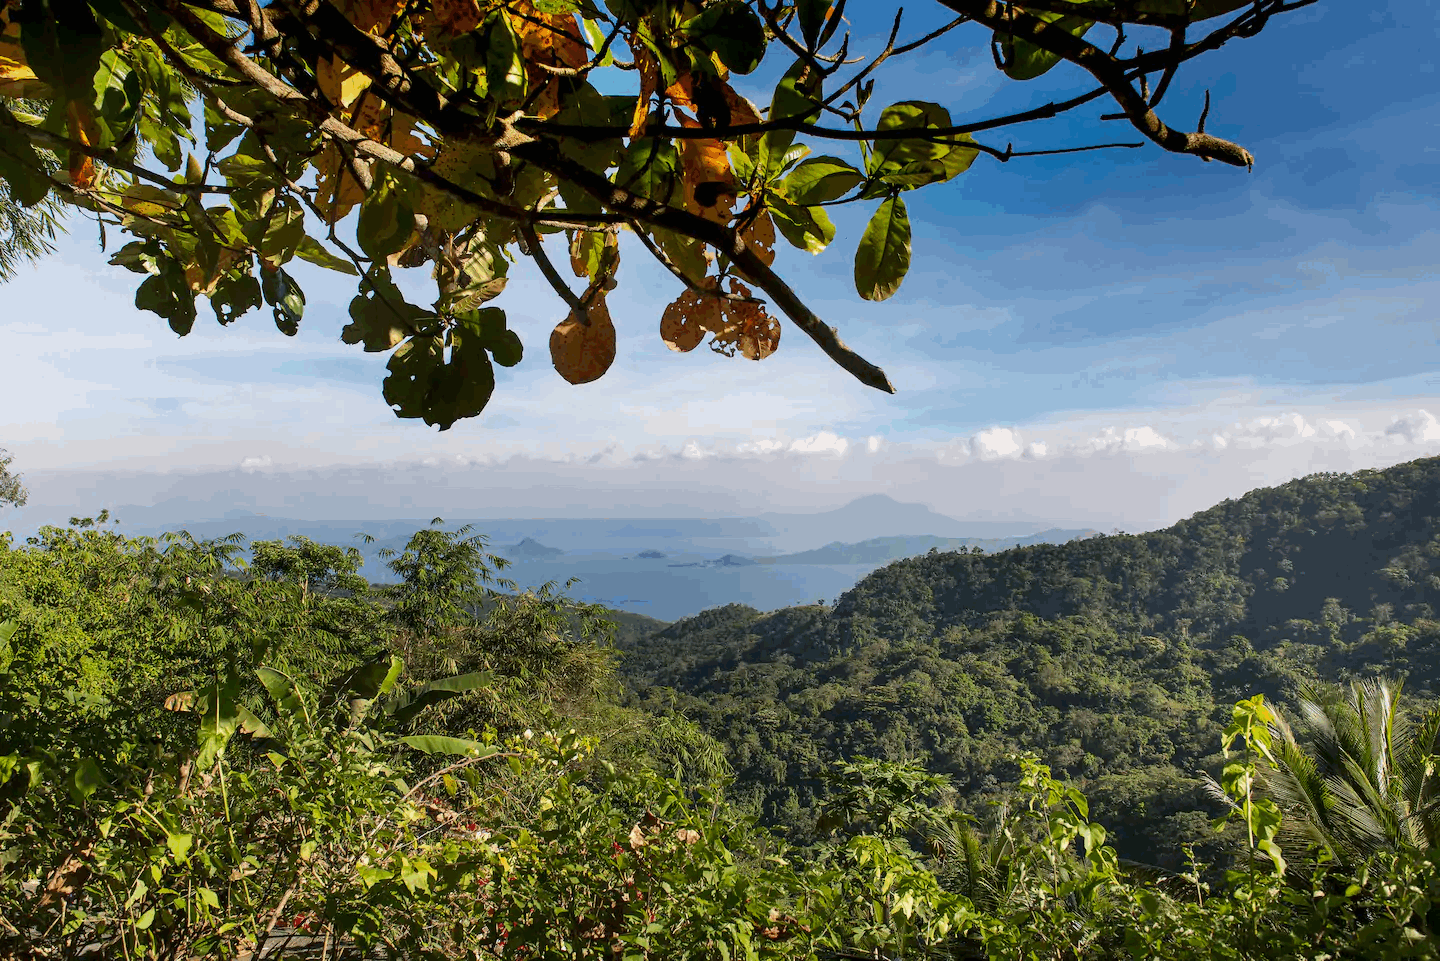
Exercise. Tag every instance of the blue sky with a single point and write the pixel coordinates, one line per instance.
(1117, 338)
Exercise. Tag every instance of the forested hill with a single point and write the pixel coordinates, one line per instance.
(1117, 657)
(1317, 561)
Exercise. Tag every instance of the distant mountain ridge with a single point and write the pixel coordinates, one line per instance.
(669, 568)
(879, 550)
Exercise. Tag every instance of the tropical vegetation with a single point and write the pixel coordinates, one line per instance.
(214, 751)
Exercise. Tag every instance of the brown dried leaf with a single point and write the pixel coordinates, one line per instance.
(709, 184)
(741, 110)
(748, 328)
(637, 838)
(685, 321)
(180, 701)
(582, 353)
(453, 17)
(759, 236)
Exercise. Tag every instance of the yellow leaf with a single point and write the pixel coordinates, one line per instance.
(649, 80)
(709, 184)
(552, 39)
(80, 122)
(341, 83)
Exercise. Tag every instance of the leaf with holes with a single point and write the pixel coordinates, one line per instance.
(749, 328)
(688, 318)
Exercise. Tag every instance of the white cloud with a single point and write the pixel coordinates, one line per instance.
(765, 445)
(995, 443)
(1036, 450)
(693, 451)
(824, 442)
(1131, 439)
(1144, 438)
(1418, 427)
(873, 443)
(1338, 428)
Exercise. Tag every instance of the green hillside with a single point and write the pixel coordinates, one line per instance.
(1116, 657)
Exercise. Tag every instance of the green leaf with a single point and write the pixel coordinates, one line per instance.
(434, 692)
(504, 66)
(86, 779)
(286, 297)
(380, 316)
(312, 251)
(444, 744)
(423, 384)
(507, 350)
(595, 37)
(883, 257)
(650, 168)
(475, 275)
(282, 691)
(250, 724)
(921, 172)
(168, 294)
(374, 679)
(891, 154)
(20, 166)
(63, 44)
(796, 95)
(1023, 60)
(179, 844)
(117, 96)
(218, 719)
(820, 179)
(731, 30)
(236, 292)
(371, 875)
(808, 228)
(812, 15)
(386, 219)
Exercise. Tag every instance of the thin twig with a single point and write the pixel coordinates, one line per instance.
(537, 253)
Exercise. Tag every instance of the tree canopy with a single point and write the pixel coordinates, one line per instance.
(12, 491)
(229, 137)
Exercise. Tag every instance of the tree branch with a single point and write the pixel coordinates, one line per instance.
(1111, 73)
